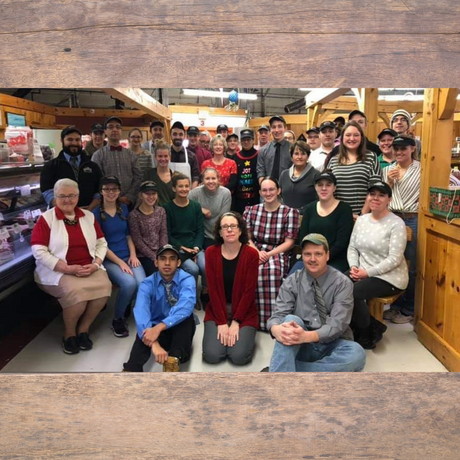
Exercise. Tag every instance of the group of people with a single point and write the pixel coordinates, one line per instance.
(153, 218)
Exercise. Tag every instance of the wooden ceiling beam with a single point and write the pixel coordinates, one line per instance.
(323, 96)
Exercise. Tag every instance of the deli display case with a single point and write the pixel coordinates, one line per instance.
(21, 204)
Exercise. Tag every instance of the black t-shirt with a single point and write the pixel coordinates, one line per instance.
(247, 187)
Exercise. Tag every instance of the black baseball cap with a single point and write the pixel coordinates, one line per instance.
(313, 129)
(276, 118)
(221, 128)
(156, 123)
(148, 186)
(326, 175)
(327, 125)
(178, 125)
(232, 135)
(381, 187)
(403, 141)
(69, 130)
(97, 128)
(193, 130)
(356, 112)
(264, 127)
(109, 180)
(108, 120)
(246, 133)
(167, 247)
(389, 131)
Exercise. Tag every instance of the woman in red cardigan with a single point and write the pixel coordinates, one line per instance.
(231, 319)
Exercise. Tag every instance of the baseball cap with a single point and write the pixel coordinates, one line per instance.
(193, 130)
(167, 247)
(381, 187)
(221, 128)
(148, 186)
(356, 112)
(108, 120)
(276, 118)
(262, 127)
(246, 133)
(156, 123)
(403, 141)
(69, 130)
(315, 238)
(178, 125)
(326, 125)
(313, 129)
(109, 180)
(232, 135)
(326, 175)
(97, 128)
(389, 131)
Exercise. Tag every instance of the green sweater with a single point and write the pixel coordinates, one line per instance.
(336, 227)
(185, 224)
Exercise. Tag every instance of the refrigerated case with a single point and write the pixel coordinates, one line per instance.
(21, 204)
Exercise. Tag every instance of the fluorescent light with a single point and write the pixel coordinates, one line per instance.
(207, 93)
(402, 97)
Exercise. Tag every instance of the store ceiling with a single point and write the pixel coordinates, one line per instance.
(270, 100)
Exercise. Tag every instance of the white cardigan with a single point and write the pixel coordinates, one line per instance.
(47, 257)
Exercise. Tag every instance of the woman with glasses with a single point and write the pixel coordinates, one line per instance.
(147, 224)
(69, 247)
(273, 228)
(144, 157)
(122, 265)
(231, 319)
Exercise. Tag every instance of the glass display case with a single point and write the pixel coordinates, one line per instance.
(21, 204)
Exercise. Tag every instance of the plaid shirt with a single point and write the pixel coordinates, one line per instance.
(123, 165)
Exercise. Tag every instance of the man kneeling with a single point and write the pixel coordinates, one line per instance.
(312, 315)
(164, 315)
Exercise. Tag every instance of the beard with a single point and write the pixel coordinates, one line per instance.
(177, 143)
(73, 151)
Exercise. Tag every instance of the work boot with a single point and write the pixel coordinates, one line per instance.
(171, 365)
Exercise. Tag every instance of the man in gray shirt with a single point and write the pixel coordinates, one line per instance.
(114, 160)
(312, 315)
(274, 157)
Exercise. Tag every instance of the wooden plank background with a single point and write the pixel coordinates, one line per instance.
(284, 43)
(277, 43)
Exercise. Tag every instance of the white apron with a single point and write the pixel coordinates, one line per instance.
(183, 168)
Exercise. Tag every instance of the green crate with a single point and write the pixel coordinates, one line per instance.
(445, 202)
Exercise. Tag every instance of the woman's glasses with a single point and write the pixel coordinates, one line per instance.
(229, 227)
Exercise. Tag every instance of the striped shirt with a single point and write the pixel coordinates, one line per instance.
(123, 165)
(353, 179)
(406, 191)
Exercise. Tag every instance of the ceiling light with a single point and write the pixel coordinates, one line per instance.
(207, 93)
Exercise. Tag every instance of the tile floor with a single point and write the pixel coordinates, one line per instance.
(399, 351)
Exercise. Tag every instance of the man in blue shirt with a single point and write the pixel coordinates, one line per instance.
(164, 315)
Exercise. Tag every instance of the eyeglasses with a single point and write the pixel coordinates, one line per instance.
(229, 227)
(135, 137)
(112, 127)
(110, 190)
(72, 196)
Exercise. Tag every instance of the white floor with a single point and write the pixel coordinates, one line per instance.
(399, 351)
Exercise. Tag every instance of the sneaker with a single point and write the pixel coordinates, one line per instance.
(399, 318)
(266, 369)
(84, 342)
(119, 328)
(70, 346)
(171, 365)
(389, 314)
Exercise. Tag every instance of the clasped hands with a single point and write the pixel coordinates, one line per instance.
(358, 274)
(228, 335)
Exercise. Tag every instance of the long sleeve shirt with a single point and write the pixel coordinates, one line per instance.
(297, 297)
(152, 305)
(266, 158)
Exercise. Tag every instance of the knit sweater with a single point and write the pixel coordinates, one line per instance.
(378, 246)
(217, 202)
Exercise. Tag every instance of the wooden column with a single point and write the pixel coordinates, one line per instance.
(369, 104)
(438, 259)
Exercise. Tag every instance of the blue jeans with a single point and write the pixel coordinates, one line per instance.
(336, 356)
(406, 303)
(127, 283)
(197, 268)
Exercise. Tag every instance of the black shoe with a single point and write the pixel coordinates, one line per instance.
(266, 369)
(70, 346)
(364, 337)
(119, 328)
(84, 342)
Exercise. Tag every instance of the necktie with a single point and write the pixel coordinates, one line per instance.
(117, 148)
(168, 288)
(276, 163)
(319, 302)
(73, 163)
